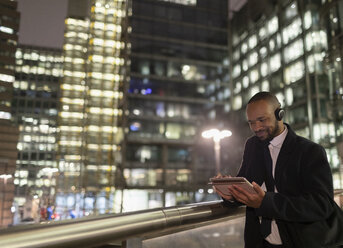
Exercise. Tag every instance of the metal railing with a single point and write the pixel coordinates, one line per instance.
(106, 229)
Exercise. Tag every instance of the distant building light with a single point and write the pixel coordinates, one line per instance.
(135, 126)
(7, 78)
(5, 115)
(183, 2)
(136, 112)
(147, 91)
(6, 30)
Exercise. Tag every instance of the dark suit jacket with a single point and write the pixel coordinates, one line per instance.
(305, 191)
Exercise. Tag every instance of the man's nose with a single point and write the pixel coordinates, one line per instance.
(256, 127)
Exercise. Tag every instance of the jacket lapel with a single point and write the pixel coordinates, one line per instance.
(287, 148)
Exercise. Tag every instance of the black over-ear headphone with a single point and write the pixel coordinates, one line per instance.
(279, 113)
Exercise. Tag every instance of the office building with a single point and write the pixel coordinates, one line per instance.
(34, 108)
(289, 48)
(139, 80)
(331, 20)
(177, 62)
(90, 131)
(9, 25)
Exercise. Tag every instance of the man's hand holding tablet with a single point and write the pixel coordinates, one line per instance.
(239, 188)
(222, 184)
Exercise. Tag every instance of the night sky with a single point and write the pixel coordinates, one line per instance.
(42, 22)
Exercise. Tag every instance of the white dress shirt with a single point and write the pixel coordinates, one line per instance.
(274, 149)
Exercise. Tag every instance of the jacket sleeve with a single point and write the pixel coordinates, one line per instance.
(312, 201)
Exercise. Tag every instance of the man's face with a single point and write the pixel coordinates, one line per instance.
(262, 120)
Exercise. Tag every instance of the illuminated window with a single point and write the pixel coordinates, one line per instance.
(244, 48)
(273, 25)
(236, 71)
(334, 160)
(254, 76)
(294, 72)
(317, 39)
(263, 52)
(293, 51)
(307, 19)
(315, 63)
(237, 102)
(252, 41)
(263, 33)
(173, 131)
(245, 65)
(289, 96)
(238, 88)
(275, 62)
(245, 82)
(281, 98)
(6, 78)
(6, 30)
(253, 58)
(236, 55)
(264, 69)
(323, 131)
(265, 85)
(184, 2)
(5, 115)
(291, 31)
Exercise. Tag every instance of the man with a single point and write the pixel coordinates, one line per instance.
(292, 179)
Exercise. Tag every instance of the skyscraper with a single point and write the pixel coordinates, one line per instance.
(34, 107)
(139, 79)
(9, 24)
(89, 123)
(176, 57)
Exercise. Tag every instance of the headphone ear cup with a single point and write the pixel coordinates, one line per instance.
(279, 114)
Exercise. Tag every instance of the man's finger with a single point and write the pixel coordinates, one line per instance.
(258, 189)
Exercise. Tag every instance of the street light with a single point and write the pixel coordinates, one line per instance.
(216, 135)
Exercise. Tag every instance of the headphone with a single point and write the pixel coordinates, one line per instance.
(279, 113)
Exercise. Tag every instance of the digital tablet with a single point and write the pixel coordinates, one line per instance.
(221, 184)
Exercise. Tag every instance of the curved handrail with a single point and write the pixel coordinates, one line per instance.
(94, 231)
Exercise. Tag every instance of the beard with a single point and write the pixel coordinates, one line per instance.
(271, 131)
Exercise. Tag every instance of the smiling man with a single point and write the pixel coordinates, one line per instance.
(291, 176)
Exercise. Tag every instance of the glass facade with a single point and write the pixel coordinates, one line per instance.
(35, 107)
(9, 26)
(291, 53)
(138, 79)
(89, 121)
(176, 75)
(332, 22)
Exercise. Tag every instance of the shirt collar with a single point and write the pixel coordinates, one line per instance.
(278, 140)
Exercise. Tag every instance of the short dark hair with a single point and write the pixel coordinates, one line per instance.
(265, 95)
